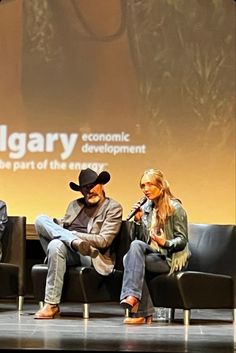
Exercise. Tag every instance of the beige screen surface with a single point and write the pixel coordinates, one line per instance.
(120, 86)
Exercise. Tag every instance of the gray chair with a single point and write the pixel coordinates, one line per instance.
(12, 266)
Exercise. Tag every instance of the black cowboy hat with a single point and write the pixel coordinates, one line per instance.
(89, 176)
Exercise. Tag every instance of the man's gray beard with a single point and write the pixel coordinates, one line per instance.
(93, 200)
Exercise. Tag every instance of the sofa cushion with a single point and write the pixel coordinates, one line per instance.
(213, 248)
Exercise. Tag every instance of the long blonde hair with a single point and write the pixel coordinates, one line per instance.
(164, 206)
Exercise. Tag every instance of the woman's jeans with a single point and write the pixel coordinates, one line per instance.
(140, 258)
(56, 243)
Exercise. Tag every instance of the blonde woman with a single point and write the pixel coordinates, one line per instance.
(160, 245)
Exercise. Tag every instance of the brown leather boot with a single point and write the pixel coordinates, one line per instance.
(84, 248)
(93, 252)
(138, 320)
(130, 303)
(49, 311)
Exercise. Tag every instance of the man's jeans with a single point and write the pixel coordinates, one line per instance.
(56, 243)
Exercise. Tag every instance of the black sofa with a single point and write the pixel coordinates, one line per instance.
(209, 282)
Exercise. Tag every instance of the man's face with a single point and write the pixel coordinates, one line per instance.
(93, 193)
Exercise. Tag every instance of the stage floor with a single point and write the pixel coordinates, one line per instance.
(210, 331)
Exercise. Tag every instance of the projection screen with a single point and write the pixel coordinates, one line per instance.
(122, 86)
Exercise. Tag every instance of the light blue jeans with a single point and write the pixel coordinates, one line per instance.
(56, 243)
(139, 258)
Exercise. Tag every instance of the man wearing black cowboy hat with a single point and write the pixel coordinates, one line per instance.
(83, 236)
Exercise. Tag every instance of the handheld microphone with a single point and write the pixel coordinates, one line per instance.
(136, 208)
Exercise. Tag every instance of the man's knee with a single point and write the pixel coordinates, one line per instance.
(40, 220)
(54, 247)
(57, 248)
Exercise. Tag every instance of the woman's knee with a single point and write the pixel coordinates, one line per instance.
(137, 245)
(137, 248)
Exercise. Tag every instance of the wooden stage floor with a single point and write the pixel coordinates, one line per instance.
(210, 331)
